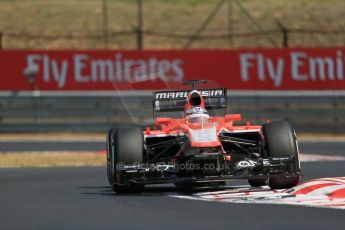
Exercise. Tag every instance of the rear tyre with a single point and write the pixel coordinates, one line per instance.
(257, 182)
(124, 146)
(280, 140)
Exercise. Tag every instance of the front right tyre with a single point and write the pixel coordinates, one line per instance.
(125, 146)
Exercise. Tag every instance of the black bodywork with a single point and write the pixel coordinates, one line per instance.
(248, 160)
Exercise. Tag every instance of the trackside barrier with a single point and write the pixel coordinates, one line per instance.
(96, 112)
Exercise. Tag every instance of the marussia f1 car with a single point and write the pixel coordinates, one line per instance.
(200, 150)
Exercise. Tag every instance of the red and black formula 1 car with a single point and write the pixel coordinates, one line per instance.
(199, 149)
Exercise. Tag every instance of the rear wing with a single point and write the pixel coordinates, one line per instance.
(166, 101)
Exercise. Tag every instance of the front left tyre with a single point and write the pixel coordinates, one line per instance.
(280, 141)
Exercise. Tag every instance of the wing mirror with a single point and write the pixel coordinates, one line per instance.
(232, 117)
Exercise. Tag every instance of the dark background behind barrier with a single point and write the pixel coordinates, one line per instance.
(308, 112)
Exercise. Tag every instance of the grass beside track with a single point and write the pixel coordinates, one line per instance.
(50, 159)
(65, 17)
(53, 136)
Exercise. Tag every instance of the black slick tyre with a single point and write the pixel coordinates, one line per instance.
(280, 141)
(124, 147)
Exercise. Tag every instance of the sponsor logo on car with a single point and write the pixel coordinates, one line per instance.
(176, 95)
(246, 164)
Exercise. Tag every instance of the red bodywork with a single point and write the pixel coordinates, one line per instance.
(176, 127)
(179, 127)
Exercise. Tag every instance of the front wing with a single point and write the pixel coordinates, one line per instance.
(160, 173)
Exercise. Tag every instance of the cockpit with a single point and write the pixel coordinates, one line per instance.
(197, 114)
(198, 119)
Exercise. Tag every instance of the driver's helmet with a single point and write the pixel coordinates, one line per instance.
(197, 114)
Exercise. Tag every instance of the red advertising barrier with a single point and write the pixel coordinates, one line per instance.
(252, 69)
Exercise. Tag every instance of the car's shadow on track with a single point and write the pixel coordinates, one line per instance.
(107, 191)
(150, 190)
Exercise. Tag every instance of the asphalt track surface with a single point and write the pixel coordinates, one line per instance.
(79, 198)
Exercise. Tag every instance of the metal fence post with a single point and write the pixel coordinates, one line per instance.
(140, 25)
(285, 33)
(105, 22)
(230, 23)
(0, 40)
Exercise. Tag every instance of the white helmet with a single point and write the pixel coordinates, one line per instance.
(197, 114)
